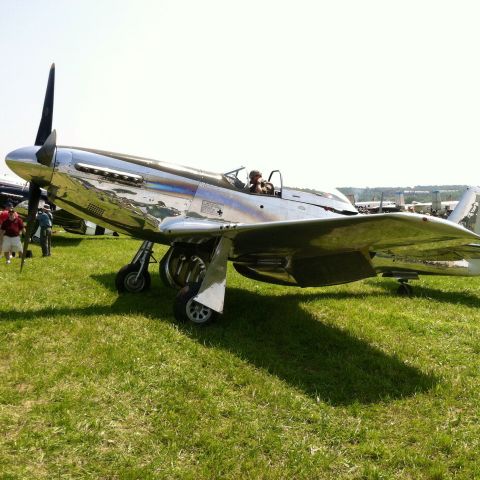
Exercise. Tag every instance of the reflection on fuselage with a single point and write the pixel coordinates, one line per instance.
(136, 196)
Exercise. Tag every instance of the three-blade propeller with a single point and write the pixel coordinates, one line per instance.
(46, 139)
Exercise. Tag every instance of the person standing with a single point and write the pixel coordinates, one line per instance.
(12, 227)
(45, 218)
(3, 217)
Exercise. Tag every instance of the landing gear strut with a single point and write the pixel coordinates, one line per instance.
(134, 277)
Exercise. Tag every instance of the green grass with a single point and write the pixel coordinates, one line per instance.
(347, 382)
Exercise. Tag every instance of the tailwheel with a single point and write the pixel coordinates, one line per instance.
(130, 279)
(186, 308)
(404, 289)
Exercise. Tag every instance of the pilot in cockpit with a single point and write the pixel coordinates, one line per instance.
(258, 184)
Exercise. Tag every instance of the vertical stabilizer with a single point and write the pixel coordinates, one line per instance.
(466, 212)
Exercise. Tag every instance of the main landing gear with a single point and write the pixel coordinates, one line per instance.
(184, 268)
(199, 275)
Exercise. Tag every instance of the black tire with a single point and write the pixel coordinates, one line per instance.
(186, 309)
(126, 279)
(405, 290)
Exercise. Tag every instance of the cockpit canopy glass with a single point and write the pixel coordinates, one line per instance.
(238, 178)
(233, 177)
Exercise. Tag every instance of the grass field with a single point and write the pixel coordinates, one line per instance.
(347, 382)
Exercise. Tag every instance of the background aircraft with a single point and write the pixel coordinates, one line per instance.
(437, 206)
(291, 237)
(15, 192)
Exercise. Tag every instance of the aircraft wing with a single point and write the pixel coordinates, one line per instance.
(407, 234)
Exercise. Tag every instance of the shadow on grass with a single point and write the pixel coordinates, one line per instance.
(61, 241)
(276, 334)
(461, 298)
(100, 238)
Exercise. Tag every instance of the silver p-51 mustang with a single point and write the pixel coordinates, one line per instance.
(289, 237)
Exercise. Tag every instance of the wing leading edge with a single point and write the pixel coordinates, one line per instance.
(318, 252)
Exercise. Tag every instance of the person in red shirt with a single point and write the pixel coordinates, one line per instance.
(3, 217)
(12, 227)
(4, 212)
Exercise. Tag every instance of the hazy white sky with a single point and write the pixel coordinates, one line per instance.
(359, 93)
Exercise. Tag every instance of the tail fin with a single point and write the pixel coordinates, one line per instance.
(466, 213)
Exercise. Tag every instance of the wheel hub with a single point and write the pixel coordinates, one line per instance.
(198, 313)
(134, 282)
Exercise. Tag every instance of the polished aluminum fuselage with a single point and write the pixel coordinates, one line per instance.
(135, 196)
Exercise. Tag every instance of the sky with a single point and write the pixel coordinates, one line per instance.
(339, 93)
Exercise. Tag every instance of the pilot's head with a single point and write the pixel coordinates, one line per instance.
(254, 175)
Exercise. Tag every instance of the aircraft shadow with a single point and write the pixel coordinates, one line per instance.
(286, 340)
(61, 241)
(280, 337)
(323, 361)
(89, 238)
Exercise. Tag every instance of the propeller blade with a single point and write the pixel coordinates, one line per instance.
(33, 202)
(46, 153)
(45, 127)
(47, 140)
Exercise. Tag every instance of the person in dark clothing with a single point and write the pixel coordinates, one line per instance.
(45, 218)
